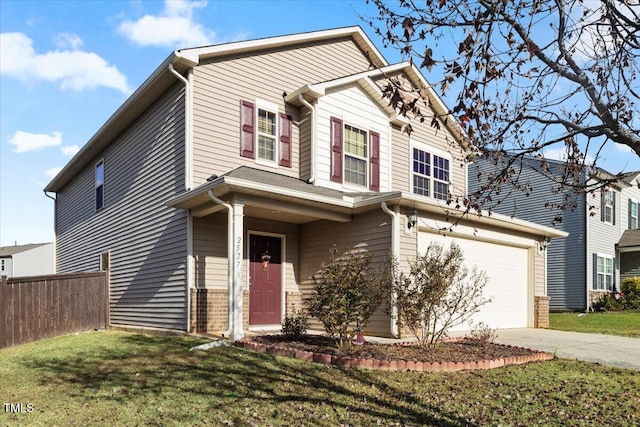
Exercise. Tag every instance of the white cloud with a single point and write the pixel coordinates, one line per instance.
(70, 150)
(68, 41)
(72, 69)
(25, 141)
(624, 149)
(174, 27)
(51, 173)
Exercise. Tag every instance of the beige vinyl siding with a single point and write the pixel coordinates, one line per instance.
(210, 249)
(370, 231)
(305, 147)
(147, 241)
(220, 85)
(401, 166)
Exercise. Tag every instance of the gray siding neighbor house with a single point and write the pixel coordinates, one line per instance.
(215, 192)
(34, 259)
(601, 248)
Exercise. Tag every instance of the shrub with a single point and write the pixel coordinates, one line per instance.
(346, 294)
(609, 302)
(295, 325)
(482, 333)
(631, 292)
(439, 293)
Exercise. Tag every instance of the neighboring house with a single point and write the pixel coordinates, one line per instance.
(603, 246)
(216, 191)
(34, 259)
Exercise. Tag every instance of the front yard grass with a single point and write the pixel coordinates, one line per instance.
(623, 323)
(120, 378)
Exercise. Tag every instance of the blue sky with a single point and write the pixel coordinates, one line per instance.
(66, 66)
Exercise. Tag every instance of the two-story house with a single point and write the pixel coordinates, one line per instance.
(603, 245)
(34, 259)
(216, 191)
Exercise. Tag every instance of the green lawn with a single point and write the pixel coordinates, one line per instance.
(119, 378)
(624, 323)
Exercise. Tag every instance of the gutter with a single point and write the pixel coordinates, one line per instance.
(230, 263)
(312, 110)
(395, 253)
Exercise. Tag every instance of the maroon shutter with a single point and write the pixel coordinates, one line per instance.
(374, 161)
(247, 129)
(336, 150)
(285, 140)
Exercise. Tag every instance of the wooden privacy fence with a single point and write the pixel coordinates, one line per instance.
(32, 308)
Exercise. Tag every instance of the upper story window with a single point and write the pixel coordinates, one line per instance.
(355, 155)
(99, 185)
(2, 267)
(265, 133)
(633, 214)
(604, 273)
(431, 174)
(608, 208)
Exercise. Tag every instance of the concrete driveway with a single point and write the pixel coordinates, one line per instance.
(607, 350)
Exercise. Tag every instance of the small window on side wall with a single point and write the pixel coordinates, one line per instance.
(633, 214)
(99, 185)
(608, 207)
(105, 261)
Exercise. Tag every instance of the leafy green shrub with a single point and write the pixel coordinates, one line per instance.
(438, 293)
(295, 325)
(347, 293)
(631, 292)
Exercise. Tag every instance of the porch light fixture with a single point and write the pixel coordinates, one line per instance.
(412, 219)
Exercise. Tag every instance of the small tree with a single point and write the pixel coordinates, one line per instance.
(438, 293)
(346, 294)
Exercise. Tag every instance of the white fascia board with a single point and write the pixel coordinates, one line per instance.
(196, 54)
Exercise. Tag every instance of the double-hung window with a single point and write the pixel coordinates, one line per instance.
(604, 273)
(355, 155)
(430, 174)
(608, 207)
(99, 184)
(267, 125)
(633, 214)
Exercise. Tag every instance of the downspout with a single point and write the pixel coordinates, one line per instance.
(188, 175)
(312, 110)
(395, 253)
(230, 262)
(55, 235)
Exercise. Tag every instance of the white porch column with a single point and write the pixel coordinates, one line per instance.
(238, 245)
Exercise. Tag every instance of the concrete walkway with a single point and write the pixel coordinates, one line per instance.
(607, 350)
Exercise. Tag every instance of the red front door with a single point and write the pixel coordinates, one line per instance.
(265, 282)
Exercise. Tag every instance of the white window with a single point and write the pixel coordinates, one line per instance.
(99, 185)
(604, 273)
(633, 215)
(608, 206)
(355, 156)
(267, 134)
(430, 174)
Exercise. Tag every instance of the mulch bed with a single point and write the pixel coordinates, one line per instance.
(454, 355)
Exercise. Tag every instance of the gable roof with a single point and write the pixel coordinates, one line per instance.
(365, 80)
(6, 251)
(629, 239)
(182, 60)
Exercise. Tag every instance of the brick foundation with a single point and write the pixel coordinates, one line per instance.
(541, 312)
(209, 311)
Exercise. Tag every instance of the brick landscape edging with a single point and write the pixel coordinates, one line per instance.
(393, 365)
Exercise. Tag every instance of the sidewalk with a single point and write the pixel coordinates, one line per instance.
(607, 350)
